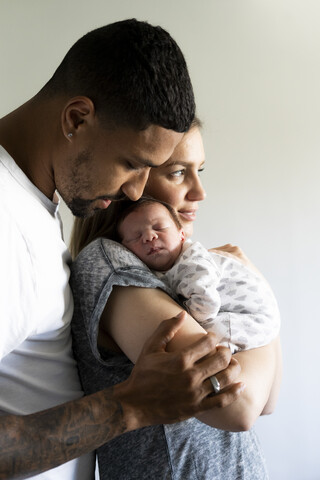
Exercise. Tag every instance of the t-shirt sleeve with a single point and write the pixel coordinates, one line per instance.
(17, 286)
(102, 265)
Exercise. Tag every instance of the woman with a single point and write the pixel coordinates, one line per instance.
(190, 449)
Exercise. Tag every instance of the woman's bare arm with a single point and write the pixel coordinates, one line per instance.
(259, 371)
(237, 253)
(275, 390)
(133, 313)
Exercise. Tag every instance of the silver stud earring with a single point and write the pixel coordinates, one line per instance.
(70, 135)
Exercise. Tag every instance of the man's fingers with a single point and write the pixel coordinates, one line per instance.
(206, 345)
(164, 334)
(225, 398)
(225, 376)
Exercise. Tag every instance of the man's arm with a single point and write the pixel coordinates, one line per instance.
(34, 443)
(164, 387)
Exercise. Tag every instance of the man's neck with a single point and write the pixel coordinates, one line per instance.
(24, 133)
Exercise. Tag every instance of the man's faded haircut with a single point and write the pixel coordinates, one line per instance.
(134, 73)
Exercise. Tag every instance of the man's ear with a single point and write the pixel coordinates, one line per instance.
(76, 115)
(182, 236)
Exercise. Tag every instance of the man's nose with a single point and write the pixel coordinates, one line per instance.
(134, 187)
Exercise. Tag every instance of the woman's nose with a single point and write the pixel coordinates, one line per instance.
(196, 193)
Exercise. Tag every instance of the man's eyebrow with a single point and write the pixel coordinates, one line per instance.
(145, 162)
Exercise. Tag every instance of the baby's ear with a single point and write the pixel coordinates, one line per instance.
(183, 236)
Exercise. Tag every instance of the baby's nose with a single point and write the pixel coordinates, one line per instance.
(150, 235)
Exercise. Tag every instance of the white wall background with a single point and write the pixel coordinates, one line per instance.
(255, 66)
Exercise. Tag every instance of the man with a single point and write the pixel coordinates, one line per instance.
(116, 106)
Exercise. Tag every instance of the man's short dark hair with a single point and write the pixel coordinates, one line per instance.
(134, 73)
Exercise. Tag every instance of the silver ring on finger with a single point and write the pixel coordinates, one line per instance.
(215, 384)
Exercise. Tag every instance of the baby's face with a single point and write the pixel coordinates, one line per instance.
(152, 235)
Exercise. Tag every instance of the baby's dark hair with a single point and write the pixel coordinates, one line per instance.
(130, 206)
(134, 73)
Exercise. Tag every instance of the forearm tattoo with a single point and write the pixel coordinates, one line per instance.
(38, 442)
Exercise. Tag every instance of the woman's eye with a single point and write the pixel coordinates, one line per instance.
(200, 170)
(178, 173)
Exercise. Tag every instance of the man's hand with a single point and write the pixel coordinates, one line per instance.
(166, 387)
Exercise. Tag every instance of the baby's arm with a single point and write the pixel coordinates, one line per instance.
(236, 253)
(196, 277)
(249, 310)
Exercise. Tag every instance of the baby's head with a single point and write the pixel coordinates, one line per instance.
(152, 231)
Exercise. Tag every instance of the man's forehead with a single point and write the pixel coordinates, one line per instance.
(150, 147)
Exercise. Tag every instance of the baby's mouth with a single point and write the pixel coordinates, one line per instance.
(154, 250)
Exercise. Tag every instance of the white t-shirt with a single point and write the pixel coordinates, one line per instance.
(37, 369)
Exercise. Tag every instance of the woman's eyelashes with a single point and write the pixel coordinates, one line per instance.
(183, 172)
(178, 173)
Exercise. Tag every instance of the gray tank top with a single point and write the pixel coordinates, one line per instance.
(188, 450)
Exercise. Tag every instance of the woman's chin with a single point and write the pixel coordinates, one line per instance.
(187, 228)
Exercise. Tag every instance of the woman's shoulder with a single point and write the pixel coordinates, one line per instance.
(105, 263)
(105, 252)
(100, 266)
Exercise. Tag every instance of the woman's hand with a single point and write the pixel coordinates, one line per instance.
(166, 387)
(233, 251)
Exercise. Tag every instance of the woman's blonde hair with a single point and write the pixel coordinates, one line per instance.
(102, 223)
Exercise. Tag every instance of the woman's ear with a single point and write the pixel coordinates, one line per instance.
(77, 114)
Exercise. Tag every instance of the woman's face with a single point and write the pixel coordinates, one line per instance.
(177, 181)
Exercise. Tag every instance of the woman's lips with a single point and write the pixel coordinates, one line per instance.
(189, 215)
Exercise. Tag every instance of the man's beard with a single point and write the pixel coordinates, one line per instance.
(81, 207)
